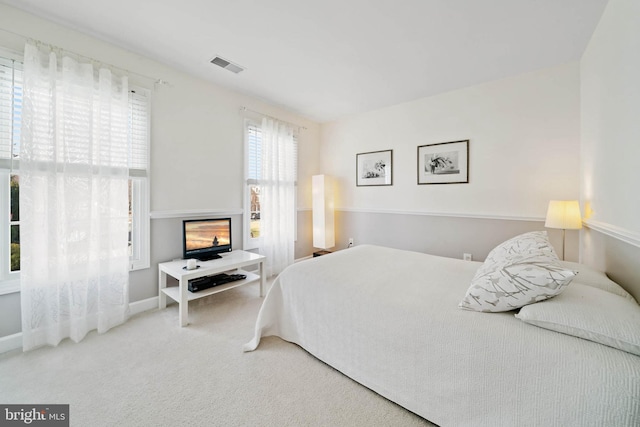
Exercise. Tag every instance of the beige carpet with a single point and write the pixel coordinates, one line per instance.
(151, 372)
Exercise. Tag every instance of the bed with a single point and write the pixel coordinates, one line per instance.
(389, 319)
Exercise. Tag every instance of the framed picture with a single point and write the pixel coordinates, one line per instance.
(374, 168)
(444, 163)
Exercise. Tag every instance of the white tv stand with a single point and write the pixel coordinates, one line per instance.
(229, 261)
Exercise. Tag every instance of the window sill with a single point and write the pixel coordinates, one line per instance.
(139, 264)
(135, 266)
(12, 286)
(9, 286)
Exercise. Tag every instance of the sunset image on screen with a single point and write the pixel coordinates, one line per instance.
(206, 234)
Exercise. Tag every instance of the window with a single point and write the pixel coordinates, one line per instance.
(253, 136)
(10, 124)
(253, 164)
(139, 125)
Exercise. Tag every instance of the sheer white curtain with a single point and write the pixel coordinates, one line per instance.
(278, 187)
(73, 199)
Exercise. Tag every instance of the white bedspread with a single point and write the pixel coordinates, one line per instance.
(389, 320)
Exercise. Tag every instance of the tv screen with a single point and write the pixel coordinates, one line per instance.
(204, 239)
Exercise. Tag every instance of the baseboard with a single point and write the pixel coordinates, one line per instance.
(12, 342)
(138, 307)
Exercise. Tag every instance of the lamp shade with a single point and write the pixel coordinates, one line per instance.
(323, 212)
(564, 214)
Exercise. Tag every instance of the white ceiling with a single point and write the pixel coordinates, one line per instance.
(332, 58)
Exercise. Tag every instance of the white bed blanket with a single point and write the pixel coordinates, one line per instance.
(389, 319)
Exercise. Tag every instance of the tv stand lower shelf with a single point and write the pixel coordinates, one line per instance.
(234, 260)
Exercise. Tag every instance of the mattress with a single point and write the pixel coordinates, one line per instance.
(389, 319)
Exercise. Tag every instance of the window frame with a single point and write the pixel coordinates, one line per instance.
(140, 198)
(140, 258)
(248, 241)
(9, 280)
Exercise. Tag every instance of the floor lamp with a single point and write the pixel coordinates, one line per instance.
(563, 214)
(323, 214)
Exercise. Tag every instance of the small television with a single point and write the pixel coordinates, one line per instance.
(205, 239)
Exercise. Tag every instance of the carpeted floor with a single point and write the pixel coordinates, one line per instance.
(151, 372)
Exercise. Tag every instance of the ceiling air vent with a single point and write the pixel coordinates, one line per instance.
(221, 62)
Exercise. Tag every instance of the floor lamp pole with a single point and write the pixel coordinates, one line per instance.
(563, 231)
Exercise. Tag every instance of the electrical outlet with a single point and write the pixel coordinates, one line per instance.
(467, 257)
(350, 241)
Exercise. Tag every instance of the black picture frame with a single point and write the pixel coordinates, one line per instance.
(444, 163)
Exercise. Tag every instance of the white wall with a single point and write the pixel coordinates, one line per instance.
(197, 128)
(197, 156)
(196, 141)
(524, 147)
(610, 91)
(610, 125)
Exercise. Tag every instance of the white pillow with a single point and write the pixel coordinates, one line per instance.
(520, 271)
(589, 313)
(591, 277)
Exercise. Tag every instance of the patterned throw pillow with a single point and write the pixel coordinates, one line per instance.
(520, 271)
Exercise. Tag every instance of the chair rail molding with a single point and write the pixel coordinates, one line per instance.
(194, 213)
(442, 214)
(614, 231)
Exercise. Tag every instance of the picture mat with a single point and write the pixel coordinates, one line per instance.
(368, 165)
(459, 159)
